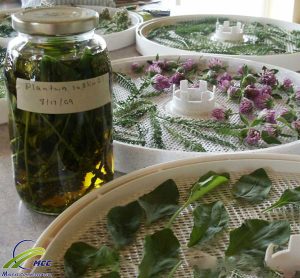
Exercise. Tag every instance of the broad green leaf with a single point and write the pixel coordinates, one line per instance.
(123, 222)
(253, 187)
(111, 275)
(106, 256)
(162, 201)
(254, 235)
(288, 197)
(78, 258)
(81, 256)
(205, 185)
(269, 139)
(161, 253)
(256, 122)
(209, 219)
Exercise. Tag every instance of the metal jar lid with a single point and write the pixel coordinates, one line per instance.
(61, 20)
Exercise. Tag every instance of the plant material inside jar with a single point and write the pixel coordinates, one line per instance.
(58, 157)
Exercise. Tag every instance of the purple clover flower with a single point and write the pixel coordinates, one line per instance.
(266, 90)
(263, 100)
(137, 68)
(251, 92)
(215, 64)
(154, 69)
(268, 78)
(297, 95)
(296, 125)
(253, 136)
(287, 84)
(160, 82)
(189, 65)
(246, 106)
(233, 92)
(224, 82)
(272, 130)
(176, 78)
(220, 114)
(268, 115)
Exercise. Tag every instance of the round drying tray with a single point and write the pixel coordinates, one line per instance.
(267, 40)
(114, 40)
(147, 133)
(85, 220)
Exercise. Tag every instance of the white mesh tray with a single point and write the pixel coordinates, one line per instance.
(85, 219)
(129, 157)
(148, 47)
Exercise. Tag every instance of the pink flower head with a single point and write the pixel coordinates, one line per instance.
(189, 65)
(176, 78)
(262, 101)
(287, 83)
(297, 95)
(246, 106)
(218, 114)
(253, 136)
(137, 68)
(272, 130)
(296, 125)
(160, 82)
(266, 90)
(154, 69)
(269, 116)
(268, 78)
(224, 82)
(251, 92)
(215, 64)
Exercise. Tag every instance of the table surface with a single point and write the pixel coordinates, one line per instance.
(16, 221)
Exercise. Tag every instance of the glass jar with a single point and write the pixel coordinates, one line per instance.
(58, 77)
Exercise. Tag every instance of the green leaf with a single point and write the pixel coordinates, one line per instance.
(106, 256)
(289, 116)
(161, 253)
(78, 258)
(209, 219)
(253, 187)
(254, 236)
(289, 197)
(123, 222)
(269, 139)
(244, 120)
(111, 275)
(202, 187)
(256, 122)
(81, 256)
(162, 201)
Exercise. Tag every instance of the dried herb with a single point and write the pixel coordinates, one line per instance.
(204, 185)
(254, 236)
(117, 22)
(195, 35)
(123, 222)
(161, 253)
(81, 256)
(288, 197)
(209, 219)
(160, 202)
(58, 157)
(254, 187)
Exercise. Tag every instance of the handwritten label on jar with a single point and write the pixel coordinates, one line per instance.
(63, 97)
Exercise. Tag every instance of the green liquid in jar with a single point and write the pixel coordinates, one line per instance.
(58, 158)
